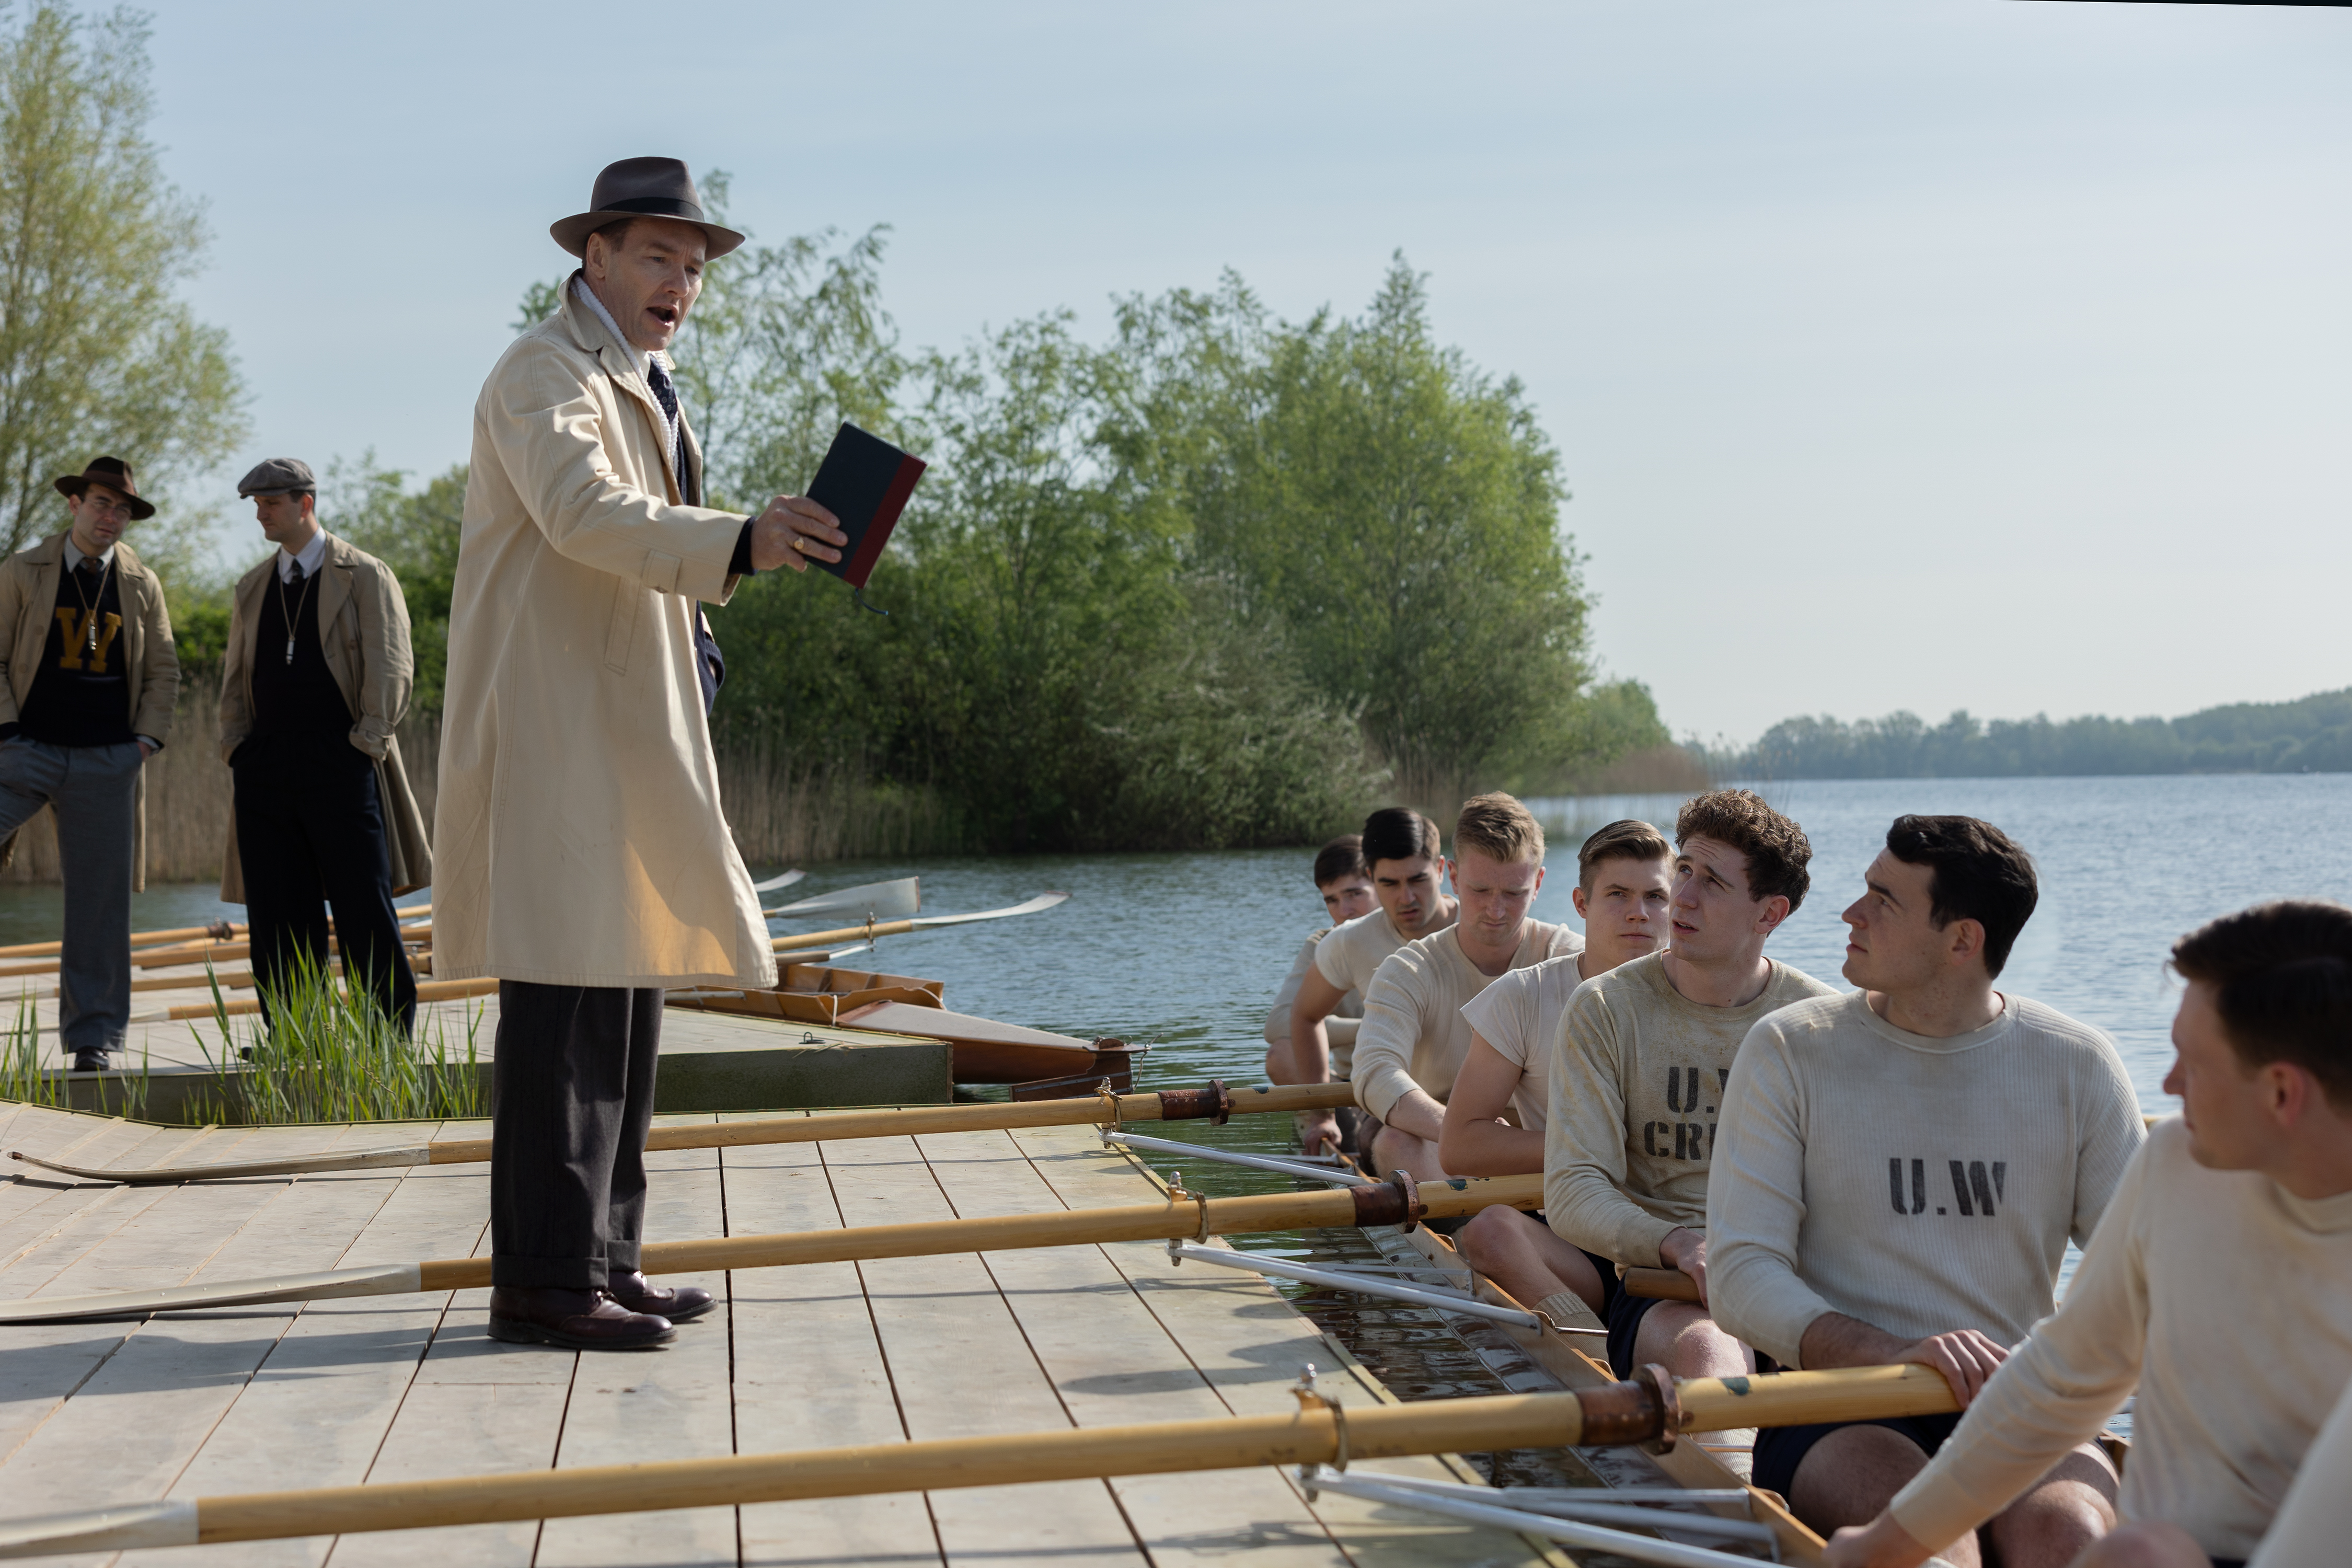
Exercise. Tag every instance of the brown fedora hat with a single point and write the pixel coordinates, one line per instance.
(115, 475)
(642, 187)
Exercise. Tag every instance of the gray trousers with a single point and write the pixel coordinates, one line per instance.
(93, 791)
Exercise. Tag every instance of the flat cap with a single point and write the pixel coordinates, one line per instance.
(277, 477)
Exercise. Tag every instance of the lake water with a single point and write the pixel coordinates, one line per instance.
(1185, 951)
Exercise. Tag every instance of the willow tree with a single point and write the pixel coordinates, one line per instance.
(1392, 508)
(97, 352)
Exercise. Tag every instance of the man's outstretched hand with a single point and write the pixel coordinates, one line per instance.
(793, 530)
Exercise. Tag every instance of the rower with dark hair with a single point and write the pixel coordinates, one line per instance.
(2216, 1293)
(1899, 1170)
(1345, 883)
(1637, 1072)
(1401, 850)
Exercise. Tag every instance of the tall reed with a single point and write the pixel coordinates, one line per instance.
(319, 1053)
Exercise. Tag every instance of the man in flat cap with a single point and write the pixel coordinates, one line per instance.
(585, 862)
(316, 678)
(91, 678)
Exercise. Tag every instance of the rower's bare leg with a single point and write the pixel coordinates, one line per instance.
(1680, 1337)
(2065, 1514)
(1851, 1474)
(1395, 1150)
(1520, 1254)
(2145, 1546)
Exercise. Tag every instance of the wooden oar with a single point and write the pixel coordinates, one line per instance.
(874, 900)
(195, 952)
(426, 991)
(1653, 1408)
(1180, 1215)
(920, 922)
(219, 930)
(1660, 1284)
(1215, 1102)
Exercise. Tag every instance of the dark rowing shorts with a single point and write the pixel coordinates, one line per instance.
(1780, 1449)
(1621, 1313)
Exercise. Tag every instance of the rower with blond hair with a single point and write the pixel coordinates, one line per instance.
(1414, 1038)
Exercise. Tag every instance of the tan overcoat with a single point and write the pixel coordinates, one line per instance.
(29, 596)
(363, 635)
(578, 825)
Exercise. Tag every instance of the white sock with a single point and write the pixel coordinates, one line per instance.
(1567, 1309)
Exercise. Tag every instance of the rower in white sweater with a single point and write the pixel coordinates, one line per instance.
(1414, 1040)
(1898, 1171)
(2219, 1286)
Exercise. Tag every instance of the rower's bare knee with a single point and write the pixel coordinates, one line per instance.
(1687, 1342)
(1496, 1241)
(1397, 1150)
(1853, 1473)
(2066, 1512)
(2146, 1545)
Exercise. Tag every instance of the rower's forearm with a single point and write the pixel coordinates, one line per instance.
(1836, 1340)
(1417, 1113)
(1486, 1147)
(1310, 1052)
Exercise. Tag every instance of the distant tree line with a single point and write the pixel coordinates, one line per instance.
(2312, 734)
(1219, 580)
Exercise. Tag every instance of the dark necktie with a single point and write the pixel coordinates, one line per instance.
(667, 395)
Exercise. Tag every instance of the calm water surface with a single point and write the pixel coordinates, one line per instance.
(1184, 952)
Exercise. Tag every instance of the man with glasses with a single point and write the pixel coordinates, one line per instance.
(86, 699)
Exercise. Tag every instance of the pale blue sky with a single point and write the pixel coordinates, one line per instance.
(1948, 353)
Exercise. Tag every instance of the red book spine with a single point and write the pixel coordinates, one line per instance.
(860, 566)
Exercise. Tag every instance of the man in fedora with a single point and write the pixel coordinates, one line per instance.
(583, 860)
(86, 700)
(316, 678)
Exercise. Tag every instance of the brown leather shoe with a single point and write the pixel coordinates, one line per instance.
(639, 1294)
(574, 1321)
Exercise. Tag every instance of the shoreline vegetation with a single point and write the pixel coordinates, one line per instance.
(2308, 735)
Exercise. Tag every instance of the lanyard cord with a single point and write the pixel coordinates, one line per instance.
(295, 619)
(88, 614)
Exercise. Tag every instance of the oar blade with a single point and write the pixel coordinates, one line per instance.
(872, 901)
(773, 883)
(165, 1175)
(390, 1280)
(1033, 906)
(126, 1529)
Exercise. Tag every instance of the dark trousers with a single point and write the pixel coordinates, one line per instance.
(93, 792)
(310, 826)
(572, 1099)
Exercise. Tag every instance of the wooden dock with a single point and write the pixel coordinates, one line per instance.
(401, 1388)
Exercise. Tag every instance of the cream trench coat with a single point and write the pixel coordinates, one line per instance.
(578, 827)
(363, 635)
(151, 666)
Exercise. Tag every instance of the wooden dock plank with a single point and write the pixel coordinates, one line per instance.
(1250, 1344)
(676, 1405)
(962, 1368)
(810, 1374)
(1112, 1363)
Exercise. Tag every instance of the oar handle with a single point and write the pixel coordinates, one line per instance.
(1660, 1284)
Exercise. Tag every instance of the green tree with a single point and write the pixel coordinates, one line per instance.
(1393, 509)
(95, 353)
(413, 532)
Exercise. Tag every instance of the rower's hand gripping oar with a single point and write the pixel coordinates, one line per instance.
(1213, 1101)
(1653, 1409)
(1196, 1216)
